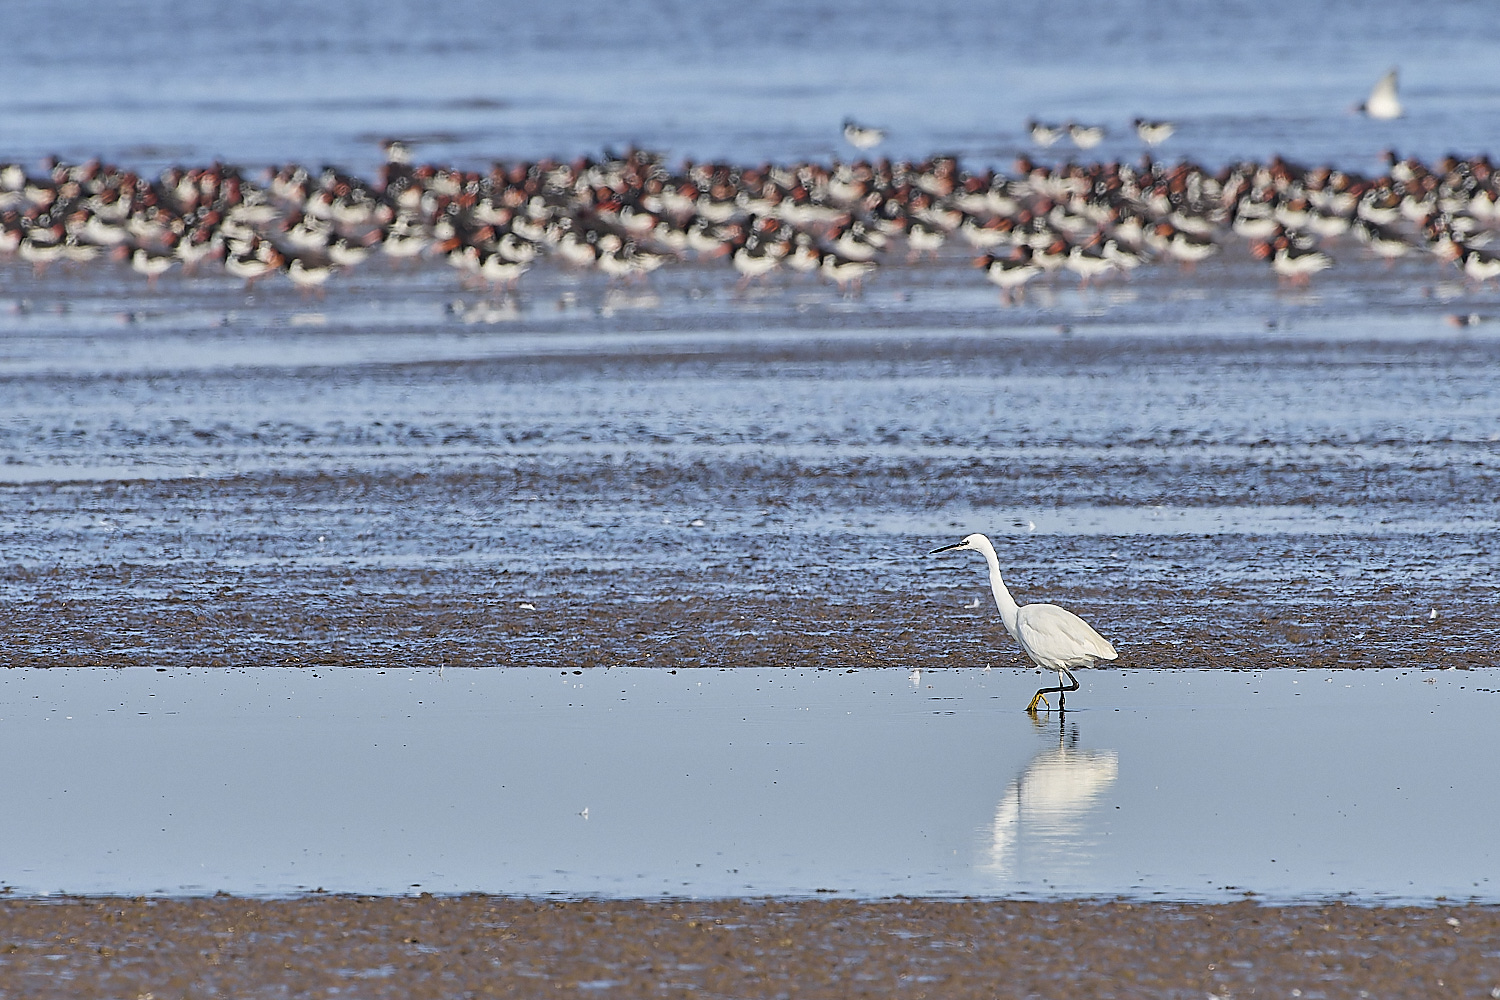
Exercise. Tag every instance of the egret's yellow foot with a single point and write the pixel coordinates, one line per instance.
(1038, 697)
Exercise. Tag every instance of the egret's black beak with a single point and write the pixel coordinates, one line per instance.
(947, 548)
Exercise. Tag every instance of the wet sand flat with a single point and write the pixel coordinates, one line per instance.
(1209, 472)
(408, 474)
(495, 946)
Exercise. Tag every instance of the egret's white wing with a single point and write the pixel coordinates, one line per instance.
(1055, 637)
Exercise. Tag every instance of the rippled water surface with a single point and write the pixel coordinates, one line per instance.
(262, 81)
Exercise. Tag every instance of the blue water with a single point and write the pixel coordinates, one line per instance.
(1187, 784)
(150, 82)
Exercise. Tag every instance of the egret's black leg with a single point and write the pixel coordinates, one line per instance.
(1061, 697)
(1060, 691)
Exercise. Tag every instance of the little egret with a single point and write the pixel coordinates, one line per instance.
(1054, 638)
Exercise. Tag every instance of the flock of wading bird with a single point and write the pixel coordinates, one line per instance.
(627, 215)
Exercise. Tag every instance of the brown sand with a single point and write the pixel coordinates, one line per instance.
(745, 593)
(474, 946)
(734, 615)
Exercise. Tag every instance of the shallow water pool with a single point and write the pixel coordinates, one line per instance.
(1190, 784)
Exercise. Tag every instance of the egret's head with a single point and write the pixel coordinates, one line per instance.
(975, 541)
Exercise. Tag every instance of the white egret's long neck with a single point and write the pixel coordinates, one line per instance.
(1003, 600)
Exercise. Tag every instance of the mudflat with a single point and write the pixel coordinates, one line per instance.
(1210, 471)
(415, 947)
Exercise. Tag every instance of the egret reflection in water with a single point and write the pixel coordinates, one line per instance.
(1041, 826)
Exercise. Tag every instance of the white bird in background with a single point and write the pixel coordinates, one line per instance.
(396, 151)
(1085, 136)
(1044, 135)
(1154, 133)
(1054, 638)
(862, 136)
(1383, 102)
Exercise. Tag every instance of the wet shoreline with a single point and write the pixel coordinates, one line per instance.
(665, 489)
(446, 946)
(225, 491)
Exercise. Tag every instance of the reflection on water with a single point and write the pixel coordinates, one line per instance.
(749, 782)
(1041, 827)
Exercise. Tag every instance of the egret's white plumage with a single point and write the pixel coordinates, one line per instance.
(1055, 638)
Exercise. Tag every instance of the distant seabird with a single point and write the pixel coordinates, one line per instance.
(862, 136)
(1383, 101)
